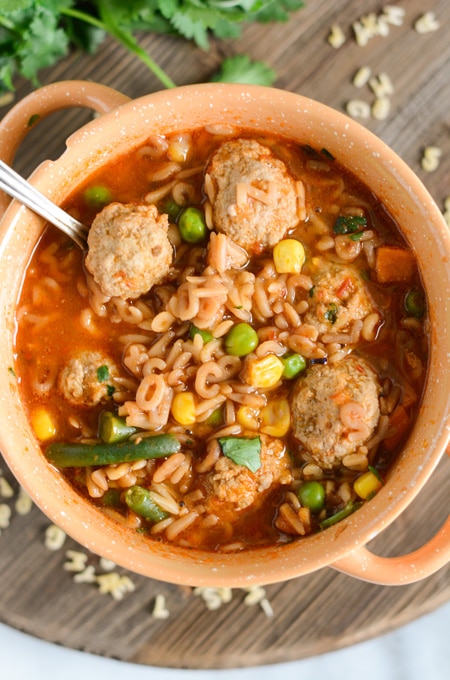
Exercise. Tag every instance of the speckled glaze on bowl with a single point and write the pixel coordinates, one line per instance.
(125, 124)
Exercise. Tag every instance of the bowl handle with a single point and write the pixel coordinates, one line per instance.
(402, 570)
(29, 111)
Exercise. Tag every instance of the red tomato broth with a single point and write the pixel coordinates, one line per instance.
(55, 298)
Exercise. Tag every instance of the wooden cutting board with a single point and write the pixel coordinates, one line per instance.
(316, 613)
(311, 615)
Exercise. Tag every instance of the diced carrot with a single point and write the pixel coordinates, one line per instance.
(399, 422)
(394, 264)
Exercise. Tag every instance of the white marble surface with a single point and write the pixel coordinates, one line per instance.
(417, 651)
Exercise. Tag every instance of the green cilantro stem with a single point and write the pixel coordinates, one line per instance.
(124, 37)
(8, 24)
(83, 16)
(36, 34)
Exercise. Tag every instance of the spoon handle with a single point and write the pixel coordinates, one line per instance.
(16, 186)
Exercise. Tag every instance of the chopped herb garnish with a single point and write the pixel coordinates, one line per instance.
(356, 236)
(348, 224)
(332, 313)
(110, 389)
(242, 451)
(207, 336)
(326, 153)
(103, 373)
(12, 372)
(312, 291)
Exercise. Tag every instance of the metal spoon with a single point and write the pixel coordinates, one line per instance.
(16, 186)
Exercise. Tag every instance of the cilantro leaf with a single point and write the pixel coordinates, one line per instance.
(241, 69)
(348, 224)
(332, 313)
(42, 44)
(103, 373)
(35, 34)
(242, 451)
(14, 5)
(277, 10)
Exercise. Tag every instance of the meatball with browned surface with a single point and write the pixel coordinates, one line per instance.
(88, 379)
(129, 250)
(335, 409)
(240, 486)
(254, 198)
(338, 297)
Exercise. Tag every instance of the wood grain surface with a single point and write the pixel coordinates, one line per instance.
(316, 613)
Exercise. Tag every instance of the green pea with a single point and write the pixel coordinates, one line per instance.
(414, 303)
(293, 365)
(241, 339)
(172, 209)
(97, 196)
(206, 335)
(312, 495)
(192, 226)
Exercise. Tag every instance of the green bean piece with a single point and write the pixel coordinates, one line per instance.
(241, 339)
(111, 498)
(112, 428)
(192, 226)
(338, 516)
(293, 365)
(140, 501)
(97, 196)
(64, 455)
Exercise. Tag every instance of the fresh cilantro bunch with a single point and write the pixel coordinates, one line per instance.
(35, 34)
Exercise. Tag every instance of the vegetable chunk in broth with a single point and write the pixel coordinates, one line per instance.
(241, 353)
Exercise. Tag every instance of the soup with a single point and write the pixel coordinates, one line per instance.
(241, 353)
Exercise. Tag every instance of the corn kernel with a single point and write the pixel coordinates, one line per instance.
(367, 484)
(265, 372)
(247, 417)
(183, 408)
(179, 148)
(289, 256)
(42, 424)
(276, 418)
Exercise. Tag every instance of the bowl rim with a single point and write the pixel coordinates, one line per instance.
(280, 562)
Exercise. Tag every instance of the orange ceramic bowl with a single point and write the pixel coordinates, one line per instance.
(125, 124)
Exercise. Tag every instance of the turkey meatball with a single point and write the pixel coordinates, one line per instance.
(254, 198)
(240, 486)
(129, 250)
(335, 409)
(88, 379)
(338, 296)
